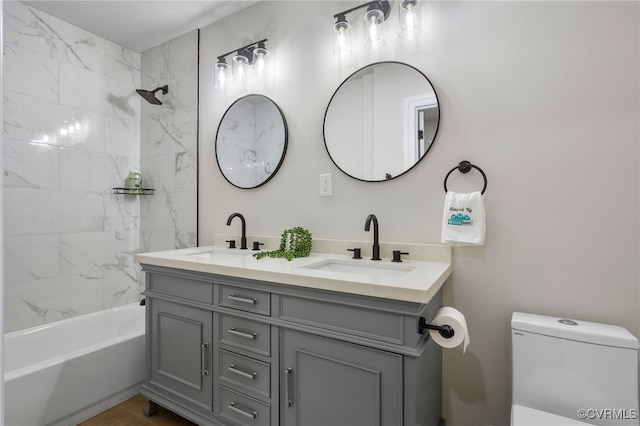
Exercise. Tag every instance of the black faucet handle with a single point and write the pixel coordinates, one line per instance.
(256, 245)
(356, 253)
(397, 256)
(232, 243)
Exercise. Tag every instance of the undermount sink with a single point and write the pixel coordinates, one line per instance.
(371, 269)
(215, 254)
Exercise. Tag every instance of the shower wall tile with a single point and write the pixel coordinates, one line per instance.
(31, 74)
(170, 211)
(123, 64)
(30, 257)
(186, 239)
(122, 213)
(157, 170)
(47, 35)
(121, 286)
(30, 165)
(169, 146)
(172, 172)
(123, 136)
(73, 129)
(86, 90)
(85, 252)
(157, 240)
(186, 166)
(90, 171)
(42, 301)
(39, 211)
(174, 63)
(38, 120)
(154, 240)
(172, 133)
(159, 212)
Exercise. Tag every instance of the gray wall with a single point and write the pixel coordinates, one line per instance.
(544, 96)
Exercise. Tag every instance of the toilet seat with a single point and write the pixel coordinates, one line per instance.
(525, 416)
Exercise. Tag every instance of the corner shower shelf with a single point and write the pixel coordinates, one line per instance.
(127, 191)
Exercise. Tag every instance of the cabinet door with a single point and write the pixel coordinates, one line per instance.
(330, 382)
(180, 348)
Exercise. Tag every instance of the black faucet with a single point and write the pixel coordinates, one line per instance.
(376, 244)
(243, 240)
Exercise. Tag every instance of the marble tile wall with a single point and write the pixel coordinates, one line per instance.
(170, 146)
(73, 129)
(71, 133)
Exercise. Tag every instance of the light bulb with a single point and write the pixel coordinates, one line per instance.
(410, 22)
(221, 74)
(240, 63)
(342, 37)
(260, 61)
(373, 29)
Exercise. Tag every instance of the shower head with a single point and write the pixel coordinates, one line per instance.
(150, 95)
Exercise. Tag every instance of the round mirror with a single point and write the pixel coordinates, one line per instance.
(381, 121)
(251, 141)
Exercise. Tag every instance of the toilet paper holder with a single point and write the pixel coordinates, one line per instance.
(445, 330)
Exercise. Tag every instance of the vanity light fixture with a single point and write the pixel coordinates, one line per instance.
(410, 19)
(342, 36)
(260, 60)
(252, 55)
(376, 14)
(222, 74)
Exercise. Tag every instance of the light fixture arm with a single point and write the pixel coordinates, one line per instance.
(383, 5)
(243, 48)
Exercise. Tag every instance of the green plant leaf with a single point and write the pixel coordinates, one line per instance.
(295, 242)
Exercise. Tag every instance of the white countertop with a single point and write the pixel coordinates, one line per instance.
(419, 284)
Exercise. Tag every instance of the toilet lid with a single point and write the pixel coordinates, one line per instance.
(525, 416)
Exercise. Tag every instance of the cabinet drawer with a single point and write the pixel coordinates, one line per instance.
(244, 373)
(242, 409)
(246, 334)
(245, 299)
(346, 319)
(183, 288)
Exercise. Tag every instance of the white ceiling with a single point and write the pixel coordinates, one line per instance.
(140, 25)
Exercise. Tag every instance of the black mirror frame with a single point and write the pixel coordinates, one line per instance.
(344, 82)
(284, 149)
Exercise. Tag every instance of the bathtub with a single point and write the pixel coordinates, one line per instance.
(67, 371)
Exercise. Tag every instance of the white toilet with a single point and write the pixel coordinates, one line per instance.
(567, 372)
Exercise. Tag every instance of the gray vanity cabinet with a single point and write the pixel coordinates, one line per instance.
(180, 343)
(330, 382)
(227, 351)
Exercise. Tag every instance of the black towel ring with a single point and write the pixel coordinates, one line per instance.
(465, 167)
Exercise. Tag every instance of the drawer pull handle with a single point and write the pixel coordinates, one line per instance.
(232, 407)
(251, 376)
(248, 301)
(252, 336)
(287, 377)
(203, 358)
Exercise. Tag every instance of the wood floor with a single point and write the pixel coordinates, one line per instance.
(129, 413)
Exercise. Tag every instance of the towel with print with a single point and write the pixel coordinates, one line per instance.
(464, 221)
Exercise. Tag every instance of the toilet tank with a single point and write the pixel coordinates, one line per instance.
(561, 366)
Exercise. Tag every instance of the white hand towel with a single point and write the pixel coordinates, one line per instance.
(464, 221)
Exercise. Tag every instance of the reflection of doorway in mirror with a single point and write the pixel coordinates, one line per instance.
(420, 124)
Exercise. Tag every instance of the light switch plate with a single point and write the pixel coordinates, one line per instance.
(326, 185)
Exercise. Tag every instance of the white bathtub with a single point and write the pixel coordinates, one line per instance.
(67, 371)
